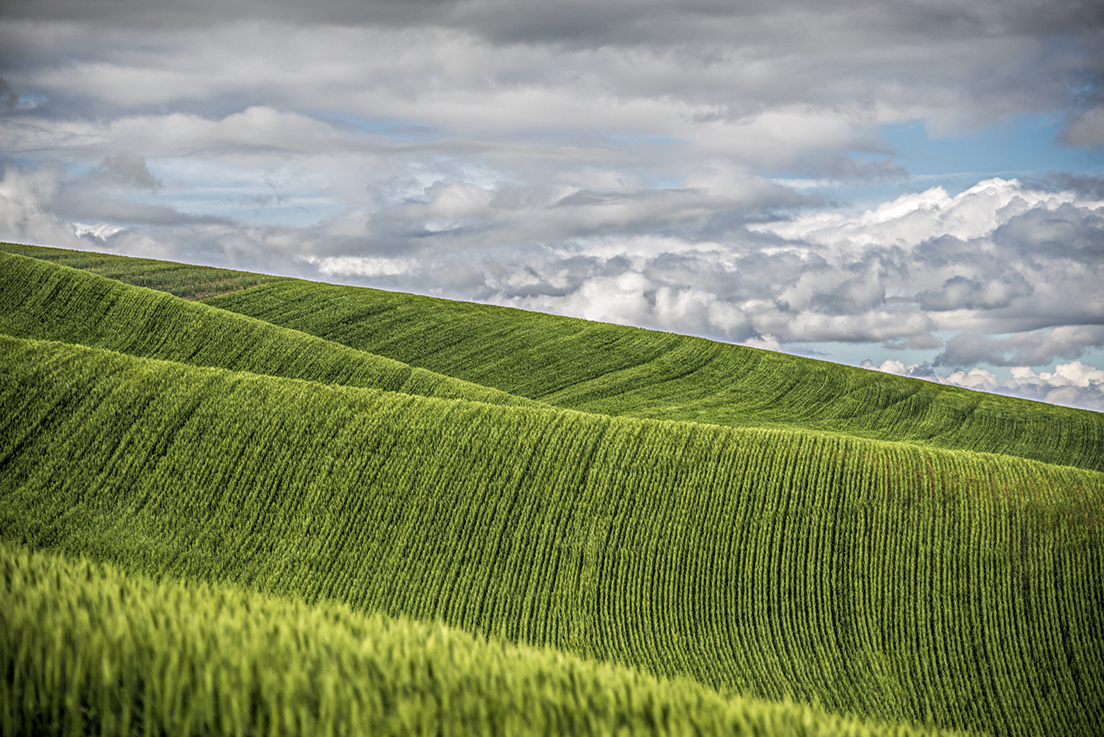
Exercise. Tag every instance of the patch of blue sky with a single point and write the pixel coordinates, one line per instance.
(1022, 147)
(29, 101)
(259, 207)
(400, 130)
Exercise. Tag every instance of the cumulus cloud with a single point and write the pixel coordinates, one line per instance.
(999, 257)
(1071, 384)
(666, 164)
(597, 254)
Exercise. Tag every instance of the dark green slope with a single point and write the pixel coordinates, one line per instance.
(617, 370)
(45, 300)
(624, 371)
(882, 579)
(180, 280)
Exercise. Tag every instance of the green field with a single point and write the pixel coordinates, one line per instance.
(796, 546)
(180, 659)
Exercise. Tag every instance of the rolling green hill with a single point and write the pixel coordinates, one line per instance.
(175, 659)
(822, 535)
(619, 370)
(50, 301)
(879, 579)
(625, 371)
(180, 280)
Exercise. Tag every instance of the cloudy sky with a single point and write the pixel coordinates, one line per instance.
(915, 186)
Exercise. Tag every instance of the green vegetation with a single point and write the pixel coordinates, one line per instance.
(880, 579)
(817, 535)
(180, 280)
(623, 371)
(124, 655)
(618, 370)
(43, 300)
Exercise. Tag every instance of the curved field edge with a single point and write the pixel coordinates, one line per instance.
(188, 281)
(86, 648)
(49, 301)
(624, 371)
(878, 579)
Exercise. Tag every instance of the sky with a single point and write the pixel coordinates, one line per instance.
(910, 186)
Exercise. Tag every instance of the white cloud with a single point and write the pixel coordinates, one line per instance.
(603, 160)
(362, 266)
(914, 218)
(26, 209)
(1071, 384)
(99, 231)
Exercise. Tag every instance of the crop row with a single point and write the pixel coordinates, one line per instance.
(181, 280)
(43, 300)
(625, 371)
(86, 649)
(880, 579)
(611, 369)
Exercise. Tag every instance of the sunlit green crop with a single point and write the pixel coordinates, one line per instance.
(891, 580)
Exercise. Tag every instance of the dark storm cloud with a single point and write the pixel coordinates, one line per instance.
(530, 20)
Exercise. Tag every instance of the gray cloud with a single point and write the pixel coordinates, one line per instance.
(1090, 187)
(9, 98)
(842, 66)
(959, 293)
(1021, 349)
(624, 161)
(129, 170)
(1073, 384)
(513, 21)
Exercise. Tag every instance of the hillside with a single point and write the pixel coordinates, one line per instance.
(624, 371)
(880, 579)
(182, 659)
(49, 301)
(619, 370)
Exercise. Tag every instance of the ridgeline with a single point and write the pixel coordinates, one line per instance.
(808, 546)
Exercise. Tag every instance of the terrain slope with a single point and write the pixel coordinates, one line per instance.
(620, 370)
(43, 300)
(624, 371)
(879, 579)
(178, 659)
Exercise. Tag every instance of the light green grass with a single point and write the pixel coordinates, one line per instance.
(880, 579)
(89, 650)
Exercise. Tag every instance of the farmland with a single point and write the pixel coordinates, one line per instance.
(624, 371)
(193, 657)
(776, 559)
(39, 300)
